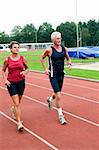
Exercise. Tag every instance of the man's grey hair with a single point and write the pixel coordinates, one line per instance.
(54, 34)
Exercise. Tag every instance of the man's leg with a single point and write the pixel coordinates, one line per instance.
(59, 109)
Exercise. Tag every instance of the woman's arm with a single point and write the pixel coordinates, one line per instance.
(25, 71)
(26, 66)
(5, 65)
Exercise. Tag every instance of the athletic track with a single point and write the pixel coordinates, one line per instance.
(80, 102)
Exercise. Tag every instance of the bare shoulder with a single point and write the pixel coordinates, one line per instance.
(6, 60)
(22, 56)
(48, 51)
(66, 49)
(5, 64)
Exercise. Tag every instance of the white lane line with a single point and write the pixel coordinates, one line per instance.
(71, 84)
(71, 114)
(94, 89)
(3, 88)
(31, 132)
(71, 95)
(83, 119)
(89, 88)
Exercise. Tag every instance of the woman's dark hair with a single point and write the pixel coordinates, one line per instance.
(12, 43)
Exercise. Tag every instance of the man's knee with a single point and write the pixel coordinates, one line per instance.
(58, 96)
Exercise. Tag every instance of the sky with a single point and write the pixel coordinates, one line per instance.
(55, 12)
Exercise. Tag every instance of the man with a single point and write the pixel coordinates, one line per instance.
(56, 55)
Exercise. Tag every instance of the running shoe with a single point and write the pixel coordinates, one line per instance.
(13, 112)
(62, 119)
(20, 126)
(50, 102)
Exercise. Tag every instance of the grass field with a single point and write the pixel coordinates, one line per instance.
(33, 58)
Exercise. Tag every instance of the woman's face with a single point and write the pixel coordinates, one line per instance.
(15, 49)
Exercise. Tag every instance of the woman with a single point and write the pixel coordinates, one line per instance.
(56, 55)
(15, 79)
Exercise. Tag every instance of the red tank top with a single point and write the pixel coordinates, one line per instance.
(14, 69)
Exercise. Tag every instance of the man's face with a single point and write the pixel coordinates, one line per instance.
(57, 40)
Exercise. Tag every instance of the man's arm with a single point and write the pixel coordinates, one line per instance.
(46, 53)
(67, 57)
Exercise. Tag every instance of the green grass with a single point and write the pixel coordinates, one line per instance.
(33, 58)
(89, 74)
(90, 60)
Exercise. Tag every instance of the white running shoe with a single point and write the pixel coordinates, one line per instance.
(50, 102)
(62, 119)
(20, 126)
(13, 112)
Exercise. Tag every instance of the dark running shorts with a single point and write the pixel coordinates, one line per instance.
(16, 88)
(57, 82)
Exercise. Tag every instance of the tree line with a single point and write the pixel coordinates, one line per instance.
(88, 33)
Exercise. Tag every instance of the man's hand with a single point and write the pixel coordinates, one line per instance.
(47, 71)
(69, 65)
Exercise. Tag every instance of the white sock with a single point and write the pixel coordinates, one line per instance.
(51, 98)
(60, 111)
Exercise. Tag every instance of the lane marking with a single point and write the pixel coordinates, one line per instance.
(71, 95)
(72, 84)
(69, 84)
(31, 132)
(71, 114)
(89, 88)
(66, 112)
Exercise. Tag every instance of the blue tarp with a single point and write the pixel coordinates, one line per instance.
(84, 52)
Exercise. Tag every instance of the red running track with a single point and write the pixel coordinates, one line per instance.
(80, 102)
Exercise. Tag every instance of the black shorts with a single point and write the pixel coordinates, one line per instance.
(16, 88)
(57, 82)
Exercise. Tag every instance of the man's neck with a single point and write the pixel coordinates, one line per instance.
(57, 46)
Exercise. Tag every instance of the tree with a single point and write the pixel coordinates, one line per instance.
(88, 32)
(28, 34)
(4, 38)
(44, 32)
(68, 31)
(97, 38)
(16, 34)
(85, 36)
(25, 34)
(92, 26)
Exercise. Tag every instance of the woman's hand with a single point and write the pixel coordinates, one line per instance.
(7, 83)
(23, 73)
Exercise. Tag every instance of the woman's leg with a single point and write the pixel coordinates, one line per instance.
(16, 102)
